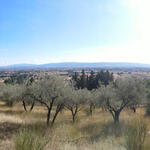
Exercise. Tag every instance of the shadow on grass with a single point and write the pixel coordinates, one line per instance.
(99, 131)
(24, 113)
(8, 129)
(12, 112)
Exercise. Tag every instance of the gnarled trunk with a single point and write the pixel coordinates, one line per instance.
(134, 109)
(48, 116)
(91, 109)
(25, 108)
(74, 113)
(116, 117)
(32, 106)
(73, 117)
(24, 105)
(115, 114)
(58, 109)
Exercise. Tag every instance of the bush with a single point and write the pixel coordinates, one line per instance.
(87, 111)
(29, 140)
(135, 135)
(148, 110)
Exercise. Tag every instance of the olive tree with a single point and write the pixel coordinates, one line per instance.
(91, 97)
(49, 91)
(25, 97)
(9, 93)
(147, 103)
(74, 100)
(124, 92)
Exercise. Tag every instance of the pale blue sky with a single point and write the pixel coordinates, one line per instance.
(45, 31)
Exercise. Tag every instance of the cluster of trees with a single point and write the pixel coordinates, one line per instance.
(56, 94)
(18, 79)
(92, 81)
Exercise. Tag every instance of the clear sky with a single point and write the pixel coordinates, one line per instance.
(45, 31)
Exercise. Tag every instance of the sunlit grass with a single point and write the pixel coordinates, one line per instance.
(96, 132)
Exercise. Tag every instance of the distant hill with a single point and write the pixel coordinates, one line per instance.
(109, 65)
(18, 66)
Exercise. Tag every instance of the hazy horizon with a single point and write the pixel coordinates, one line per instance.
(119, 63)
(43, 31)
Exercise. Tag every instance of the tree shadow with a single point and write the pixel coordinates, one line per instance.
(7, 129)
(99, 131)
(12, 112)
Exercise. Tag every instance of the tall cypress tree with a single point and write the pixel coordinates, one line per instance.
(75, 78)
(83, 83)
(104, 77)
(92, 81)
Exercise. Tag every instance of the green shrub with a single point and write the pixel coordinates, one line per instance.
(135, 135)
(29, 140)
(87, 111)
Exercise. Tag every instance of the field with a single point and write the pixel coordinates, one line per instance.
(96, 132)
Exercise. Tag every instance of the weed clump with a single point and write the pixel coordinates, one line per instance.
(29, 140)
(135, 135)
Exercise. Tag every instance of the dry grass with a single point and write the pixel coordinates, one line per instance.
(95, 132)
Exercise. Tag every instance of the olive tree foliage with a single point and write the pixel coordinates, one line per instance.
(124, 92)
(9, 93)
(22, 83)
(49, 91)
(147, 104)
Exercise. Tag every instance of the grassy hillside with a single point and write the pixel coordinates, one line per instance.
(96, 132)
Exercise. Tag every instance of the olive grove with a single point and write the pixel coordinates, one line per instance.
(56, 93)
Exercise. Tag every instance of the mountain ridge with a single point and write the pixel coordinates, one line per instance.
(78, 65)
